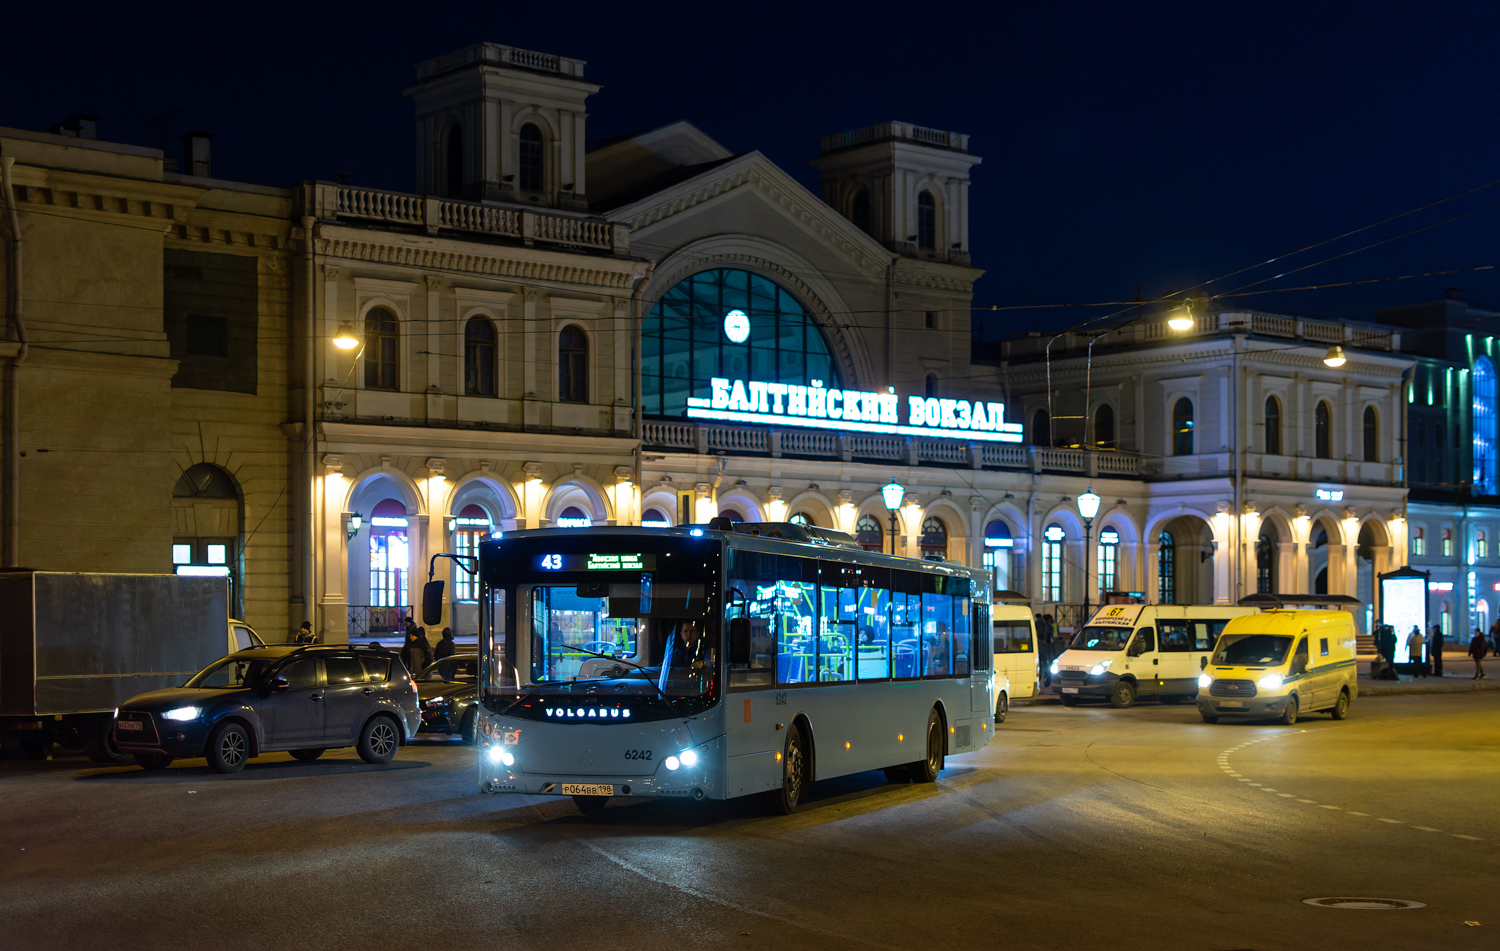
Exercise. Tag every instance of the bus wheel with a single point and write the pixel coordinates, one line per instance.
(793, 773)
(1002, 707)
(926, 771)
(1341, 708)
(1289, 715)
(1123, 694)
(590, 806)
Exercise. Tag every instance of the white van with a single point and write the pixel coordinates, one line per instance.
(1281, 664)
(1016, 671)
(1142, 650)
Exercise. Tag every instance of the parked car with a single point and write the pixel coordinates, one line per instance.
(446, 692)
(303, 700)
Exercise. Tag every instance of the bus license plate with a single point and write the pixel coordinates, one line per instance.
(1070, 690)
(587, 789)
(1227, 704)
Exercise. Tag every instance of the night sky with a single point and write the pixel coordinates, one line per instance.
(1123, 144)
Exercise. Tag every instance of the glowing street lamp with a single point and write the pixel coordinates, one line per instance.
(355, 521)
(1181, 319)
(892, 493)
(1088, 507)
(1335, 357)
(345, 339)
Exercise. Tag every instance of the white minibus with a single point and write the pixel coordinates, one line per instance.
(1142, 650)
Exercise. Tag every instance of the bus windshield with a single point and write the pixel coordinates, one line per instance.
(1252, 650)
(1101, 638)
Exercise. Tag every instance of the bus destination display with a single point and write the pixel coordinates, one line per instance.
(597, 561)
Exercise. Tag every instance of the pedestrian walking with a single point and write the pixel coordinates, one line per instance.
(1495, 636)
(305, 634)
(1435, 649)
(1416, 645)
(445, 646)
(1477, 650)
(1044, 649)
(416, 653)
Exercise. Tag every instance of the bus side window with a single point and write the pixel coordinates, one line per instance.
(981, 623)
(961, 636)
(753, 576)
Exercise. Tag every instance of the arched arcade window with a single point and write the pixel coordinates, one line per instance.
(1273, 426)
(998, 549)
(1053, 540)
(655, 518)
(390, 556)
(926, 221)
(868, 533)
(1485, 477)
(470, 527)
(729, 324)
(1323, 430)
(801, 518)
(573, 517)
(1166, 569)
(934, 539)
(1109, 565)
(206, 510)
(479, 357)
(381, 340)
(1182, 430)
(733, 515)
(529, 176)
(572, 365)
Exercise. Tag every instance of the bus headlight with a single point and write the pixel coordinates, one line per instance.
(1099, 668)
(671, 762)
(498, 754)
(1204, 681)
(1270, 682)
(689, 757)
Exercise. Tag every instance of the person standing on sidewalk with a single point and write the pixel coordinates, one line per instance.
(1477, 649)
(1416, 644)
(1435, 650)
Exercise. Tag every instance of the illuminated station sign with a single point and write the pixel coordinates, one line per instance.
(820, 407)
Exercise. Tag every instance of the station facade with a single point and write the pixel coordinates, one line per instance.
(656, 330)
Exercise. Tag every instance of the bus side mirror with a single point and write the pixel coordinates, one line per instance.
(432, 603)
(739, 640)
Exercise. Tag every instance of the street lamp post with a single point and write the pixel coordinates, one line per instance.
(892, 493)
(1088, 507)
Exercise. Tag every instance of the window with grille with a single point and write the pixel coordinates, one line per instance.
(1418, 542)
(1052, 563)
(1166, 569)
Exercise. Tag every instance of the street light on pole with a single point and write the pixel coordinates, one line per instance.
(892, 493)
(1088, 507)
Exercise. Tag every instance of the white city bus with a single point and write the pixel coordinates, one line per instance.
(715, 662)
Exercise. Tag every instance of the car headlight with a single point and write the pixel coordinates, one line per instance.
(1270, 682)
(1100, 668)
(1053, 668)
(183, 713)
(498, 754)
(432, 700)
(1204, 681)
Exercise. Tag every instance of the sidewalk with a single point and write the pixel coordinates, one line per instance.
(1458, 677)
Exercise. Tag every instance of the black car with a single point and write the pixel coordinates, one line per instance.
(446, 691)
(300, 699)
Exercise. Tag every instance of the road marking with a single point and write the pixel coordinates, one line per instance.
(1427, 828)
(1353, 813)
(1471, 838)
(1287, 795)
(1394, 822)
(1266, 789)
(1313, 801)
(1330, 807)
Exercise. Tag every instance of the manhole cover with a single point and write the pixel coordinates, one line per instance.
(1364, 904)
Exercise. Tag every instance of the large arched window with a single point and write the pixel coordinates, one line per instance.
(529, 177)
(206, 514)
(1267, 548)
(573, 517)
(926, 222)
(381, 340)
(1182, 430)
(859, 210)
(1372, 435)
(998, 547)
(1166, 569)
(572, 365)
(868, 533)
(453, 155)
(390, 557)
(1323, 430)
(1104, 426)
(698, 332)
(934, 539)
(1485, 481)
(470, 527)
(1273, 426)
(1053, 540)
(479, 357)
(1108, 562)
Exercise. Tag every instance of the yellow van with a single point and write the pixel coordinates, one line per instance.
(1281, 664)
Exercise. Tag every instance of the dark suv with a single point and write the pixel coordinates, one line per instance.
(300, 699)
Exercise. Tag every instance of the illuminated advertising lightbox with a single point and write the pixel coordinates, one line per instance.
(820, 407)
(1403, 605)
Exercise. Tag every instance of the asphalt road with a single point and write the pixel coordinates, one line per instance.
(1080, 828)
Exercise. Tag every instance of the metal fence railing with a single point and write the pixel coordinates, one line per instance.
(370, 620)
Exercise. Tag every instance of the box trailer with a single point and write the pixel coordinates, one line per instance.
(73, 646)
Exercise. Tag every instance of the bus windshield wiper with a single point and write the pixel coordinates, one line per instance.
(646, 670)
(562, 683)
